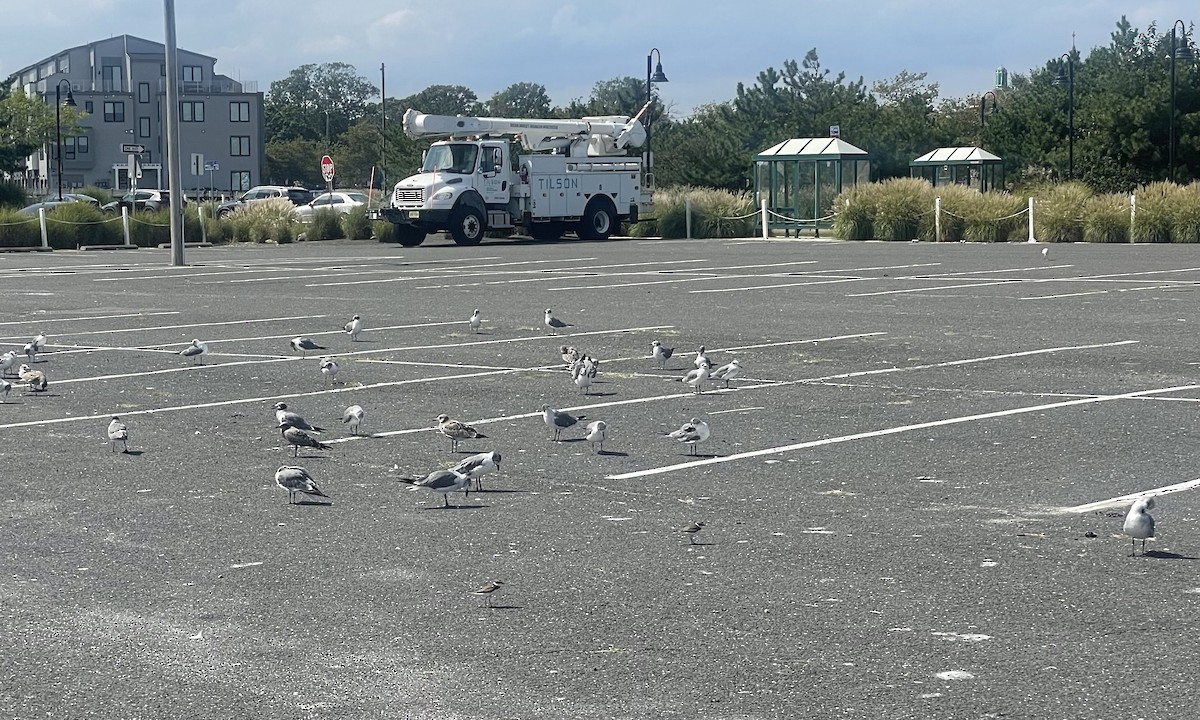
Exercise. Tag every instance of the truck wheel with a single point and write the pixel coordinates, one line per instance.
(466, 225)
(599, 220)
(545, 231)
(408, 236)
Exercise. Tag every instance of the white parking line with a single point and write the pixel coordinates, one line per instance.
(193, 325)
(90, 317)
(818, 274)
(893, 431)
(1122, 500)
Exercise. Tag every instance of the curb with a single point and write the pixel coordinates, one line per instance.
(35, 248)
(108, 247)
(166, 246)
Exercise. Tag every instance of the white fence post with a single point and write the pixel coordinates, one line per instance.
(1132, 213)
(766, 233)
(1031, 238)
(125, 222)
(687, 216)
(203, 230)
(937, 219)
(42, 220)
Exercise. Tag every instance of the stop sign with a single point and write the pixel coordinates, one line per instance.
(327, 168)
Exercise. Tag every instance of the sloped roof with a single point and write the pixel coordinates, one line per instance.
(810, 148)
(959, 155)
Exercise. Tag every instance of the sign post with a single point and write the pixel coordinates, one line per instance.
(211, 166)
(327, 169)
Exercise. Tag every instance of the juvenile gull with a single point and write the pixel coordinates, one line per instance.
(118, 432)
(698, 377)
(727, 372)
(7, 361)
(5, 389)
(597, 433)
(353, 416)
(691, 433)
(296, 480)
(197, 350)
(558, 421)
(297, 438)
(283, 415)
(456, 431)
(488, 590)
(304, 344)
(1139, 525)
(478, 465)
(35, 379)
(443, 482)
(570, 355)
(554, 323)
(330, 368)
(691, 529)
(353, 328)
(661, 354)
(476, 320)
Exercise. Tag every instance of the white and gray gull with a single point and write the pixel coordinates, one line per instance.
(477, 465)
(283, 415)
(558, 421)
(197, 350)
(304, 344)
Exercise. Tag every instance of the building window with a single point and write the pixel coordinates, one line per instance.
(239, 180)
(64, 64)
(114, 112)
(144, 127)
(239, 112)
(143, 92)
(82, 144)
(239, 145)
(88, 107)
(68, 148)
(111, 77)
(191, 111)
(193, 73)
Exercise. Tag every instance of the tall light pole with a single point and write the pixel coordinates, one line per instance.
(983, 106)
(1178, 52)
(657, 77)
(1069, 79)
(58, 103)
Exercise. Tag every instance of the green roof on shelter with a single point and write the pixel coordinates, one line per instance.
(811, 149)
(955, 155)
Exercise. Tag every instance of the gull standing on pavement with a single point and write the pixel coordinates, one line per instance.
(583, 378)
(698, 377)
(477, 465)
(558, 421)
(297, 438)
(443, 482)
(283, 415)
(330, 368)
(661, 354)
(304, 344)
(39, 342)
(353, 416)
(727, 372)
(456, 431)
(554, 323)
(296, 480)
(701, 357)
(476, 320)
(197, 350)
(117, 432)
(7, 361)
(5, 389)
(691, 433)
(597, 433)
(570, 355)
(1139, 524)
(353, 328)
(30, 351)
(35, 379)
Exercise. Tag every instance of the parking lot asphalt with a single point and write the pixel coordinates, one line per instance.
(913, 497)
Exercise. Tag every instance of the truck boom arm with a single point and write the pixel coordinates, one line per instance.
(589, 136)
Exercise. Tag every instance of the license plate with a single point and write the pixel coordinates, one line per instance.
(414, 214)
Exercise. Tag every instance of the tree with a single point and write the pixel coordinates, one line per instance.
(519, 100)
(443, 100)
(295, 161)
(27, 123)
(311, 97)
(708, 149)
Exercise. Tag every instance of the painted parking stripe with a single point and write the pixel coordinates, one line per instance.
(91, 317)
(1123, 500)
(194, 325)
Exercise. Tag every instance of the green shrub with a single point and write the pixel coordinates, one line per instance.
(103, 195)
(957, 205)
(1106, 219)
(150, 229)
(282, 233)
(1153, 217)
(902, 205)
(993, 217)
(260, 222)
(12, 195)
(715, 213)
(356, 225)
(1185, 215)
(854, 212)
(73, 224)
(1058, 211)
(19, 230)
(218, 230)
(326, 225)
(383, 231)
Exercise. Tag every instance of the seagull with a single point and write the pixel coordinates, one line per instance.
(354, 327)
(691, 433)
(583, 377)
(661, 354)
(5, 389)
(691, 529)
(118, 431)
(558, 421)
(296, 480)
(297, 438)
(354, 416)
(7, 361)
(197, 350)
(30, 351)
(597, 432)
(700, 357)
(478, 465)
(476, 320)
(727, 372)
(36, 379)
(329, 368)
(488, 590)
(444, 482)
(554, 323)
(1045, 253)
(304, 344)
(456, 431)
(569, 354)
(283, 415)
(696, 378)
(591, 366)
(1139, 525)
(39, 342)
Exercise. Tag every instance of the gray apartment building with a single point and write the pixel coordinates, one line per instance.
(120, 82)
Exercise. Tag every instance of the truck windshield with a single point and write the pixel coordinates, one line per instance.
(459, 159)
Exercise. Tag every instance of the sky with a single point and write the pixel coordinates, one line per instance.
(706, 48)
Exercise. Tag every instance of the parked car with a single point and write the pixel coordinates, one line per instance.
(341, 200)
(136, 200)
(298, 196)
(52, 202)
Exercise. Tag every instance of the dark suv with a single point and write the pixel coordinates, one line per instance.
(298, 196)
(135, 200)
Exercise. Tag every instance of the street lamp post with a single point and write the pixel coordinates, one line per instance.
(1069, 79)
(983, 106)
(657, 77)
(58, 103)
(1178, 52)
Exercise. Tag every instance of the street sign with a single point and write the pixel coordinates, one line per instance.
(327, 168)
(133, 148)
(212, 165)
(835, 131)
(197, 164)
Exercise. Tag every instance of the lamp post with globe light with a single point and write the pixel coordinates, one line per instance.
(657, 77)
(58, 103)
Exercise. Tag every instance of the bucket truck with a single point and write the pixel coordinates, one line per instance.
(575, 176)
